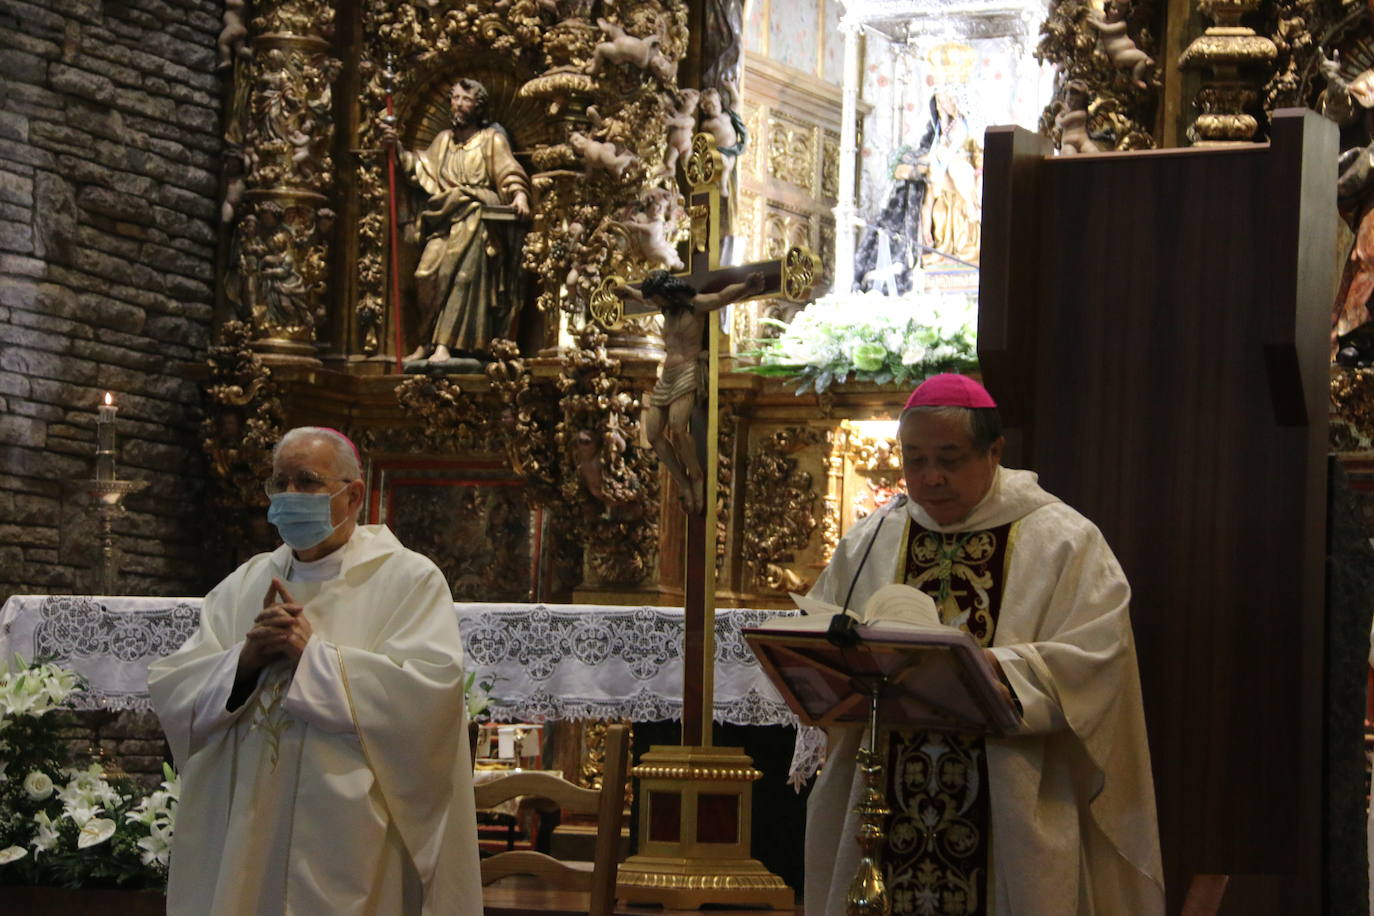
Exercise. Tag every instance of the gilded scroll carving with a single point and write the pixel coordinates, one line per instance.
(527, 432)
(1121, 111)
(584, 458)
(451, 417)
(243, 421)
(877, 462)
(1352, 409)
(792, 153)
(836, 438)
(609, 480)
(779, 516)
(529, 412)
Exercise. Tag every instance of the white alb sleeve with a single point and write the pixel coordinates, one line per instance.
(210, 713)
(317, 695)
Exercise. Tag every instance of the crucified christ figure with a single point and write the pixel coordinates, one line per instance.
(682, 382)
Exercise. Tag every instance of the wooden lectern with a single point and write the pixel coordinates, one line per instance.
(1154, 325)
(932, 678)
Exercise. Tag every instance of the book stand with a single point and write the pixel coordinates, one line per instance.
(933, 679)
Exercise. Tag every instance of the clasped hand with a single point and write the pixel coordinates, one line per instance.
(280, 631)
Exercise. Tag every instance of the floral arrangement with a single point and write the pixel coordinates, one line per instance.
(872, 338)
(68, 825)
(477, 695)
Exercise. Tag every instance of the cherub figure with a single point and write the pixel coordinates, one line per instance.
(620, 47)
(598, 156)
(682, 381)
(680, 126)
(589, 459)
(647, 229)
(1119, 47)
(235, 182)
(231, 35)
(726, 127)
(1072, 120)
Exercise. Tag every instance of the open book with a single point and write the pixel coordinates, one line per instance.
(935, 677)
(896, 604)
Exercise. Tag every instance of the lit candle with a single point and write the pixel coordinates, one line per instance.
(105, 439)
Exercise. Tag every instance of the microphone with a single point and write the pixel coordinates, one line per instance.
(843, 630)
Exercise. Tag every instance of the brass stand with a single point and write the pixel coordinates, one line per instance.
(867, 895)
(694, 835)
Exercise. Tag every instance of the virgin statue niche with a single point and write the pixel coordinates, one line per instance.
(933, 204)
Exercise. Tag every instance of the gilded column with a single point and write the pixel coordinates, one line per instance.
(280, 128)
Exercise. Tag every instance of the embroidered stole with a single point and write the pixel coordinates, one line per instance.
(938, 839)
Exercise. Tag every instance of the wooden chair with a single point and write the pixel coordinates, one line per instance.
(608, 804)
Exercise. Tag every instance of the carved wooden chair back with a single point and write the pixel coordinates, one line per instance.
(607, 803)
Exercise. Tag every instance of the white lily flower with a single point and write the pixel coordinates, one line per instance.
(46, 836)
(82, 811)
(157, 845)
(12, 854)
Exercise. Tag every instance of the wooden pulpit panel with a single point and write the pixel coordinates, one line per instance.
(1155, 325)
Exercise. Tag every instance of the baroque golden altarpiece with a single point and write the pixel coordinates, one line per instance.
(526, 478)
(539, 455)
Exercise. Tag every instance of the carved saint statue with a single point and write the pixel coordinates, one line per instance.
(682, 381)
(467, 283)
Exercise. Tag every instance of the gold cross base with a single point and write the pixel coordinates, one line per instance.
(694, 836)
(687, 884)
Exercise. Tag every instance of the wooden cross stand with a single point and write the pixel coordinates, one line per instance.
(694, 839)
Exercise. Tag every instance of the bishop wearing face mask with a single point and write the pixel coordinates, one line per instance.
(317, 717)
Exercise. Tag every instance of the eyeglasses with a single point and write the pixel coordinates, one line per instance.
(301, 482)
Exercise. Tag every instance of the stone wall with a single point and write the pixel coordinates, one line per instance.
(128, 742)
(109, 173)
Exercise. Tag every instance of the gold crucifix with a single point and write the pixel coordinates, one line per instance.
(695, 840)
(685, 403)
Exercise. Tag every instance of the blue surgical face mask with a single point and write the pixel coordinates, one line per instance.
(303, 520)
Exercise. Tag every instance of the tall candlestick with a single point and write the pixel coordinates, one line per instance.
(105, 439)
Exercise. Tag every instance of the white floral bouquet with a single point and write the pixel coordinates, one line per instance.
(872, 338)
(68, 825)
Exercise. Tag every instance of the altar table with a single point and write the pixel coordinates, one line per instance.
(543, 661)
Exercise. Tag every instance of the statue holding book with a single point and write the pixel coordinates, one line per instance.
(467, 284)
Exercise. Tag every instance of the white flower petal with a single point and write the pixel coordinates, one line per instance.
(96, 830)
(11, 854)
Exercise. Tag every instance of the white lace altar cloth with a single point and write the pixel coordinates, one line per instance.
(543, 662)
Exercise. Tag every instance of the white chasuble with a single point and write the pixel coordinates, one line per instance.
(1073, 827)
(344, 787)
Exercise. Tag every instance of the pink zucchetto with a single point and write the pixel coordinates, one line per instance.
(950, 390)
